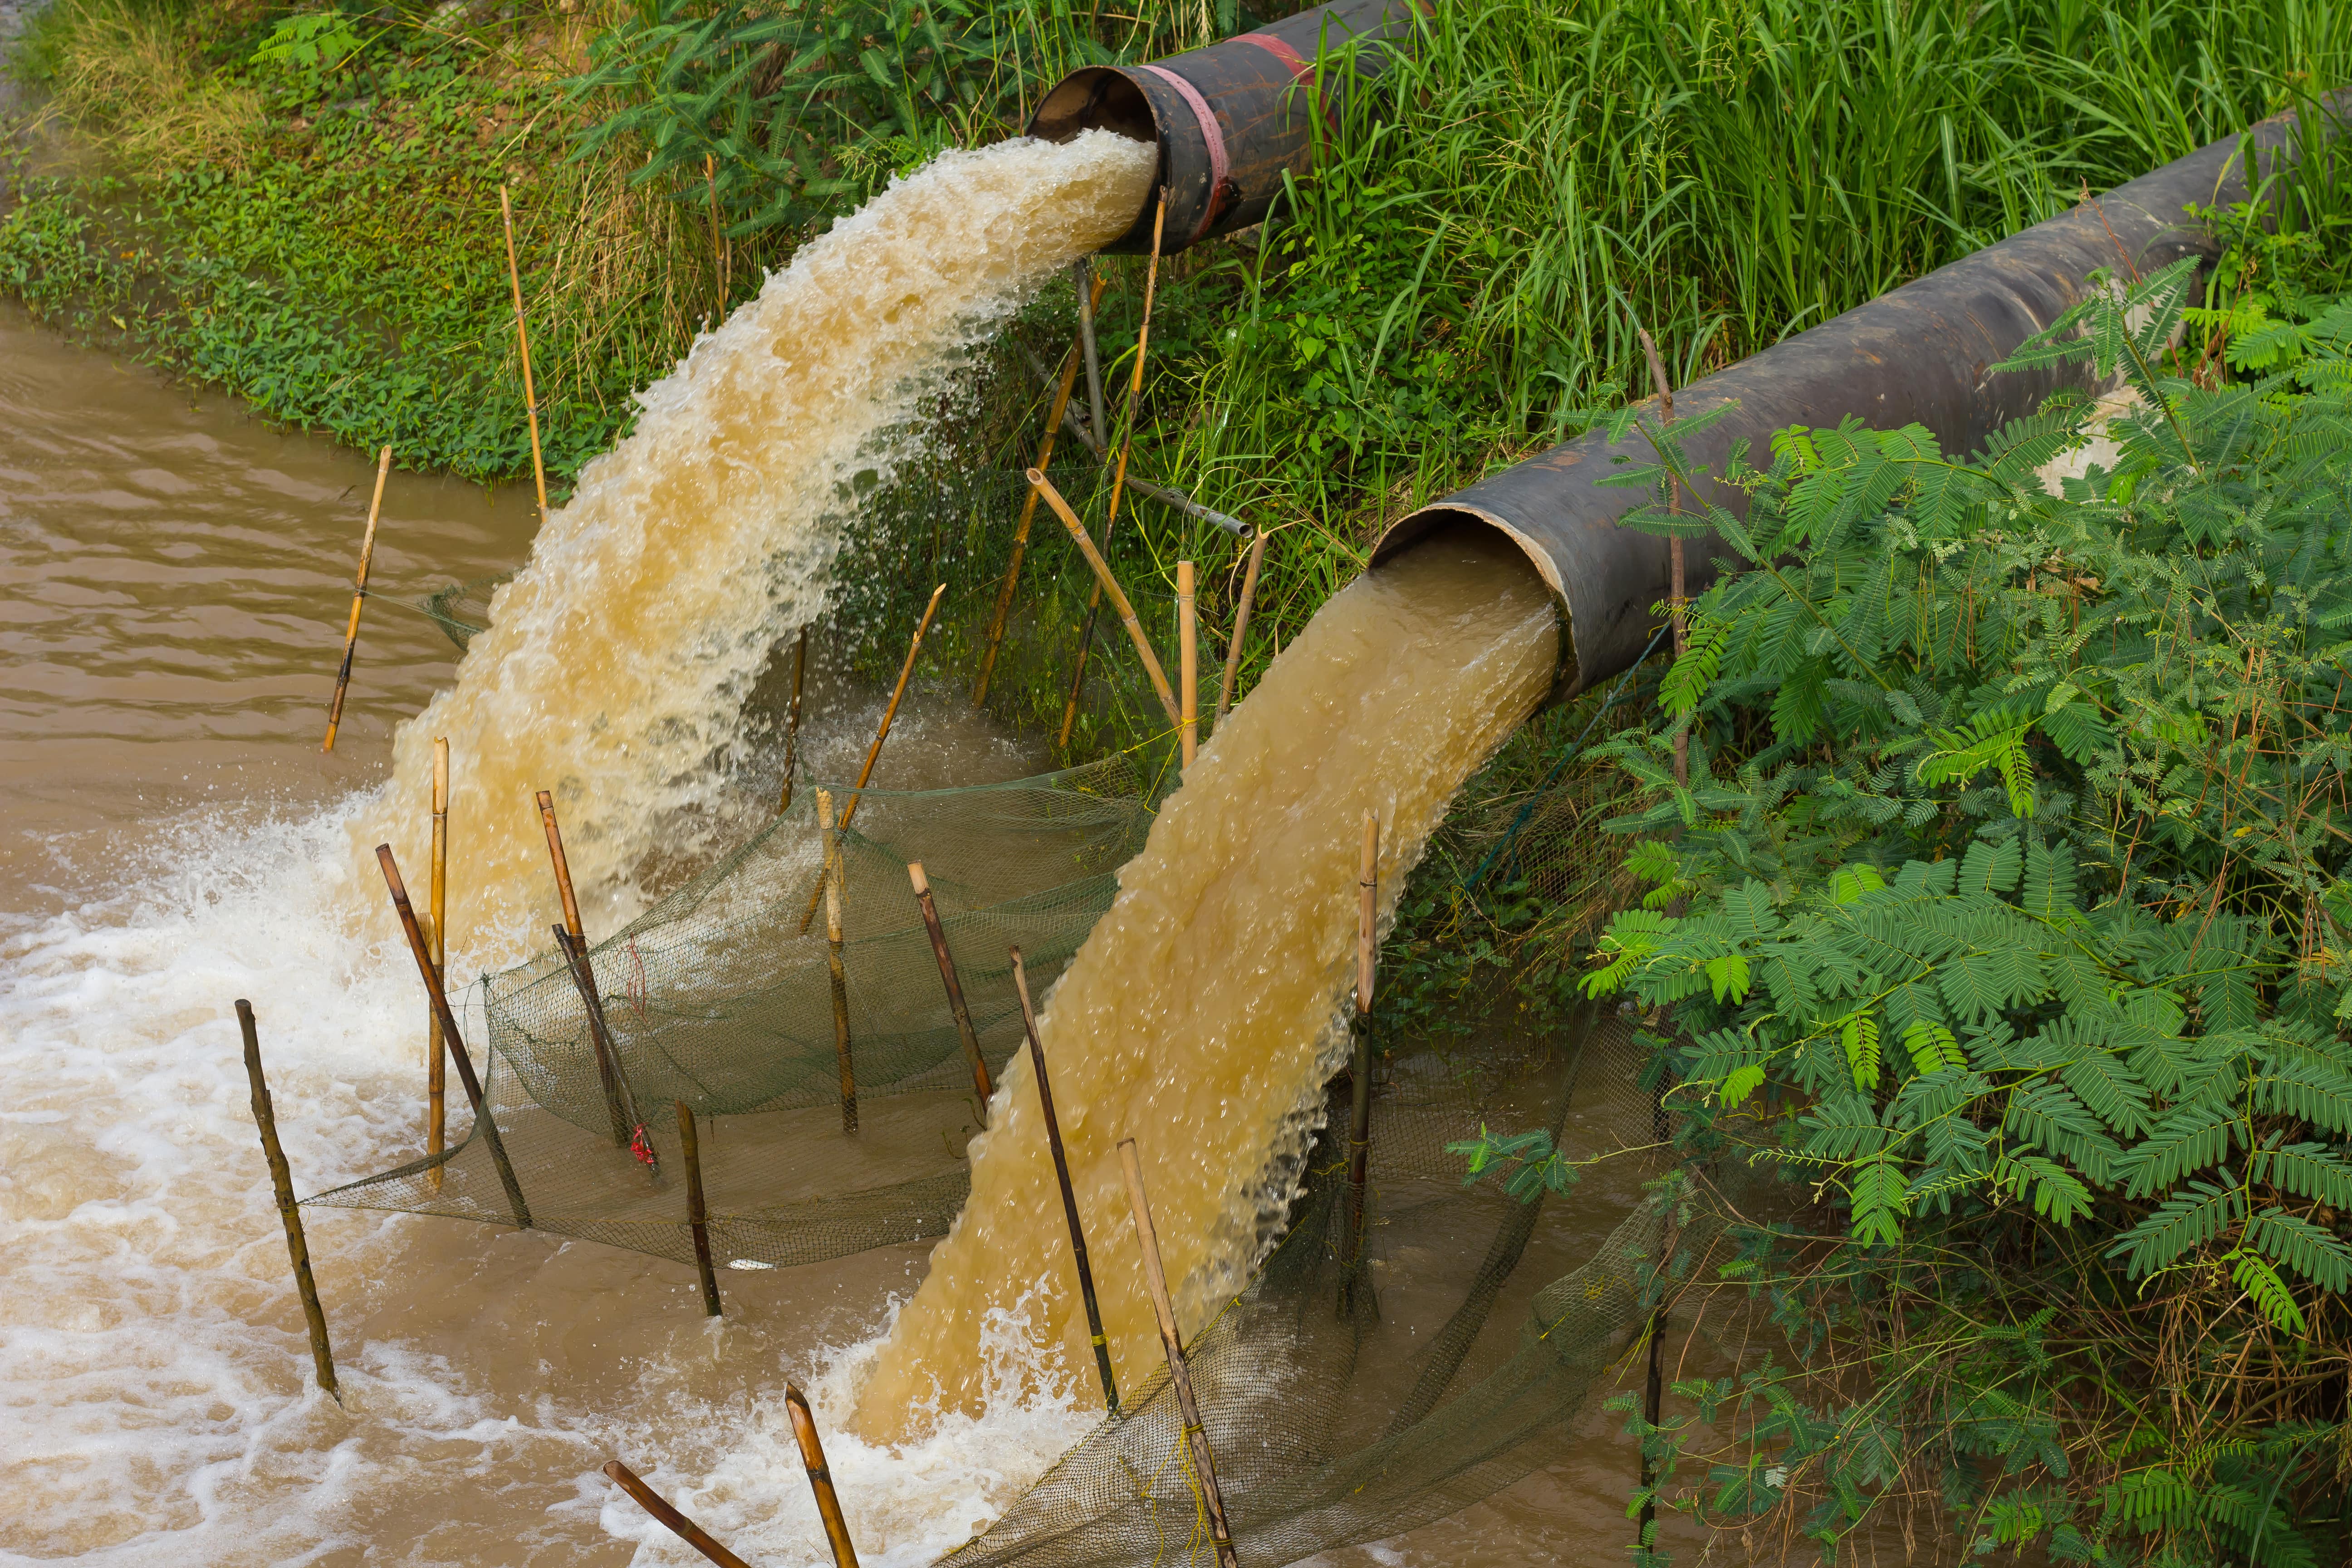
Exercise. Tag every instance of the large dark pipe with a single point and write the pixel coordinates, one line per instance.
(1917, 354)
(1230, 120)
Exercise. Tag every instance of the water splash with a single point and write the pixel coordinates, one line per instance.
(616, 663)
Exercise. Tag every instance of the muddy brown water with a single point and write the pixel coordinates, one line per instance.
(174, 576)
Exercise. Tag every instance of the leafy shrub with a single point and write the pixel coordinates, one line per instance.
(2013, 923)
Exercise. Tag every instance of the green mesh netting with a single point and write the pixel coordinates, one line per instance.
(462, 609)
(1339, 1410)
(716, 998)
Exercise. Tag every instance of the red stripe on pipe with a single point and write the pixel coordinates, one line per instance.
(1300, 69)
(1218, 167)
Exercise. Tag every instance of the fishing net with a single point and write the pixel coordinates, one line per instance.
(718, 998)
(1349, 1392)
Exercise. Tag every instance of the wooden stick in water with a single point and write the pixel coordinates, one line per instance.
(831, 879)
(1118, 476)
(1069, 1194)
(1090, 286)
(1241, 627)
(1110, 584)
(1155, 1279)
(691, 1150)
(1021, 531)
(281, 1179)
(1359, 1136)
(685, 1529)
(436, 1054)
(484, 1122)
(1674, 592)
(1188, 663)
(792, 723)
(563, 867)
(522, 339)
(620, 1104)
(964, 1031)
(820, 1474)
(873, 752)
(359, 597)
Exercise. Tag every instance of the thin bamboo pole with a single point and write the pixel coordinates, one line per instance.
(359, 597)
(820, 1474)
(689, 1150)
(685, 1529)
(1155, 1279)
(1142, 351)
(831, 879)
(1675, 598)
(792, 723)
(522, 340)
(1241, 627)
(873, 752)
(563, 867)
(1359, 1135)
(1188, 663)
(1118, 476)
(281, 1180)
(620, 1104)
(437, 1052)
(1090, 284)
(484, 1122)
(979, 1079)
(1021, 531)
(1069, 1194)
(1108, 584)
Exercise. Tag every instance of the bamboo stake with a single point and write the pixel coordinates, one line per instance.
(1069, 1196)
(563, 867)
(1188, 663)
(792, 723)
(359, 597)
(1108, 584)
(1118, 476)
(830, 878)
(281, 1179)
(1142, 349)
(620, 1104)
(1090, 294)
(1241, 627)
(522, 339)
(696, 1220)
(1155, 1279)
(820, 1474)
(873, 752)
(485, 1123)
(1021, 531)
(678, 1525)
(436, 1054)
(964, 1031)
(1675, 595)
(1359, 1136)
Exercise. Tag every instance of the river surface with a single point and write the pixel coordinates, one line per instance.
(173, 579)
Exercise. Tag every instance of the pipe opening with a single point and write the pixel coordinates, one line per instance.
(1434, 520)
(1095, 99)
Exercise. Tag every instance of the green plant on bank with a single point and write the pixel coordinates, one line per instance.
(2014, 930)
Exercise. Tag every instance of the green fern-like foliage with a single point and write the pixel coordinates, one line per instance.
(2015, 925)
